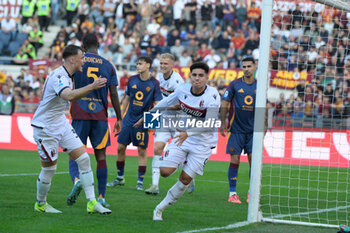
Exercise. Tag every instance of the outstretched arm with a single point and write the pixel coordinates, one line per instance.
(72, 95)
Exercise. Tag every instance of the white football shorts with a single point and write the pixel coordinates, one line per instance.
(163, 135)
(48, 145)
(194, 157)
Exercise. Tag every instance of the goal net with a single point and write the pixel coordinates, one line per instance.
(306, 155)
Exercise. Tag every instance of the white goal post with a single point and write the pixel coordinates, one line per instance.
(302, 201)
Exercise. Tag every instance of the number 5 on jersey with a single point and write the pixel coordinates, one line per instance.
(90, 73)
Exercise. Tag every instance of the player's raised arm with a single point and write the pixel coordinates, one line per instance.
(71, 95)
(163, 104)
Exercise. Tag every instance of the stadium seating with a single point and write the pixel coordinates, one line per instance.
(13, 47)
(21, 37)
(5, 39)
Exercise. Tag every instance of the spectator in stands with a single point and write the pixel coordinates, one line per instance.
(29, 49)
(71, 10)
(251, 42)
(312, 34)
(21, 58)
(7, 102)
(254, 16)
(185, 60)
(241, 13)
(120, 15)
(309, 110)
(83, 10)
(57, 47)
(329, 93)
(203, 51)
(55, 6)
(205, 34)
(297, 116)
(44, 11)
(173, 36)
(9, 27)
(221, 86)
(224, 42)
(297, 14)
(177, 49)
(168, 15)
(239, 41)
(212, 59)
(215, 36)
(105, 53)
(296, 30)
(309, 95)
(219, 15)
(206, 12)
(127, 47)
(229, 14)
(87, 23)
(158, 12)
(28, 26)
(292, 64)
(36, 38)
(300, 88)
(108, 8)
(117, 57)
(153, 27)
(95, 12)
(145, 11)
(28, 8)
(192, 47)
(283, 118)
(73, 40)
(131, 10)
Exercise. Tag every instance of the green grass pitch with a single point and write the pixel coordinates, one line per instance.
(206, 207)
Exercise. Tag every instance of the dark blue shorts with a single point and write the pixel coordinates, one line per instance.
(237, 142)
(97, 131)
(138, 136)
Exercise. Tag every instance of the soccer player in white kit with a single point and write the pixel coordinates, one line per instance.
(52, 129)
(200, 102)
(169, 80)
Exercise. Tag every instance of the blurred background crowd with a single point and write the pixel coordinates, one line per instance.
(218, 32)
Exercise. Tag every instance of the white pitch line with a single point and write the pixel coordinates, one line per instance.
(212, 181)
(311, 212)
(27, 174)
(231, 226)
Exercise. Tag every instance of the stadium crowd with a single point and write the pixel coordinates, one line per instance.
(219, 34)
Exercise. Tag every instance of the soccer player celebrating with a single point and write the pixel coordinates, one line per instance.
(169, 80)
(52, 129)
(199, 102)
(240, 95)
(141, 93)
(90, 117)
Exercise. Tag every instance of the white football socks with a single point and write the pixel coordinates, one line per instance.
(86, 176)
(173, 194)
(155, 169)
(44, 182)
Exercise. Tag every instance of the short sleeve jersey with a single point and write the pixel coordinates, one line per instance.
(203, 106)
(241, 96)
(93, 106)
(50, 114)
(141, 94)
(168, 86)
